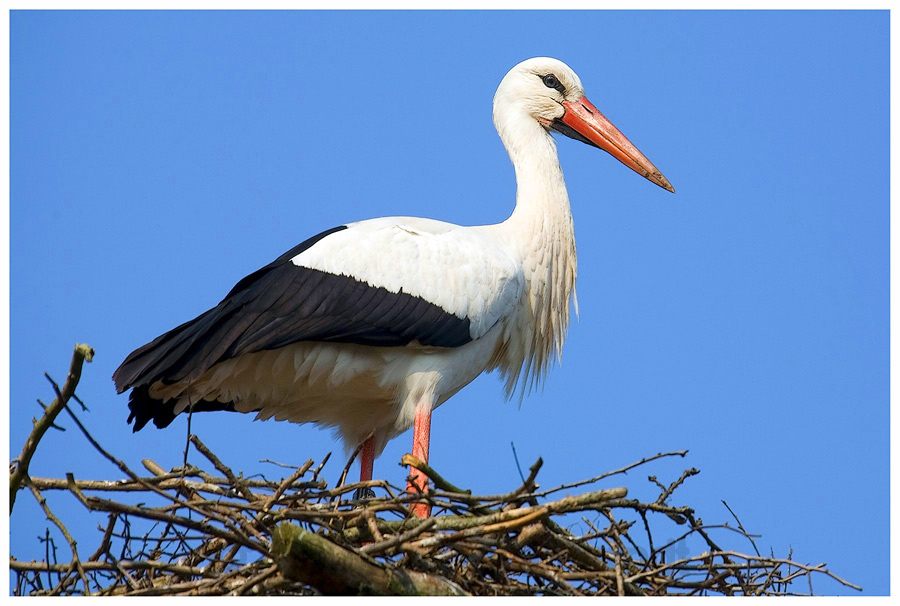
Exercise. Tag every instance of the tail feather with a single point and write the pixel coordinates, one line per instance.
(144, 408)
(156, 360)
(185, 352)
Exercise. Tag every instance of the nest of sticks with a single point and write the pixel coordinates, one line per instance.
(194, 532)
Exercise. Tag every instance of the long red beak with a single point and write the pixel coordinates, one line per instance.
(584, 122)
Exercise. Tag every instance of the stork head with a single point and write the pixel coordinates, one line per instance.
(549, 92)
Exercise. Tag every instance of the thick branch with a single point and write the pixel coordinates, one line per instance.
(312, 559)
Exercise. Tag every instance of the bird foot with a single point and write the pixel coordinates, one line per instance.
(363, 493)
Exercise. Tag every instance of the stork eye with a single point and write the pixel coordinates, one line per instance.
(551, 81)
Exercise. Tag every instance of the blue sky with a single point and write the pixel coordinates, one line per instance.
(157, 158)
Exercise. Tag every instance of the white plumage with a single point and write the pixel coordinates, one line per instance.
(368, 327)
(467, 271)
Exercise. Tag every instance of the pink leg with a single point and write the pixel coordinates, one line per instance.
(421, 439)
(367, 459)
(366, 463)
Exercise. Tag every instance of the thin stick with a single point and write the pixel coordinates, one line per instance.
(76, 563)
(741, 526)
(626, 469)
(226, 471)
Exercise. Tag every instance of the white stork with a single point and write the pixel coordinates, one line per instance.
(369, 326)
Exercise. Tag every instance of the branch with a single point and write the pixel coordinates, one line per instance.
(626, 469)
(440, 483)
(82, 352)
(588, 501)
(235, 535)
(312, 559)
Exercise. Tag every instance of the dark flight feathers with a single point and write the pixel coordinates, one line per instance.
(282, 304)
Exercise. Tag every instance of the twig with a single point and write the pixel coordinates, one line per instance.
(352, 458)
(507, 544)
(667, 492)
(516, 459)
(224, 469)
(76, 563)
(321, 466)
(440, 483)
(121, 465)
(741, 526)
(52, 425)
(626, 469)
(375, 548)
(284, 486)
(243, 588)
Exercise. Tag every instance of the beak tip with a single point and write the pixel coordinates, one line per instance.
(660, 180)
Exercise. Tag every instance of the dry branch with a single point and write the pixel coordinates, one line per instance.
(19, 470)
(196, 533)
(309, 558)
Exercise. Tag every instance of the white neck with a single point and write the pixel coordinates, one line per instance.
(541, 189)
(541, 230)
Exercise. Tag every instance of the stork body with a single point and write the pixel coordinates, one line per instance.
(369, 326)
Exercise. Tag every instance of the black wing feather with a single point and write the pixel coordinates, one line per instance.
(281, 304)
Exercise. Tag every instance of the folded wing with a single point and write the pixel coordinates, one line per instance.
(383, 282)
